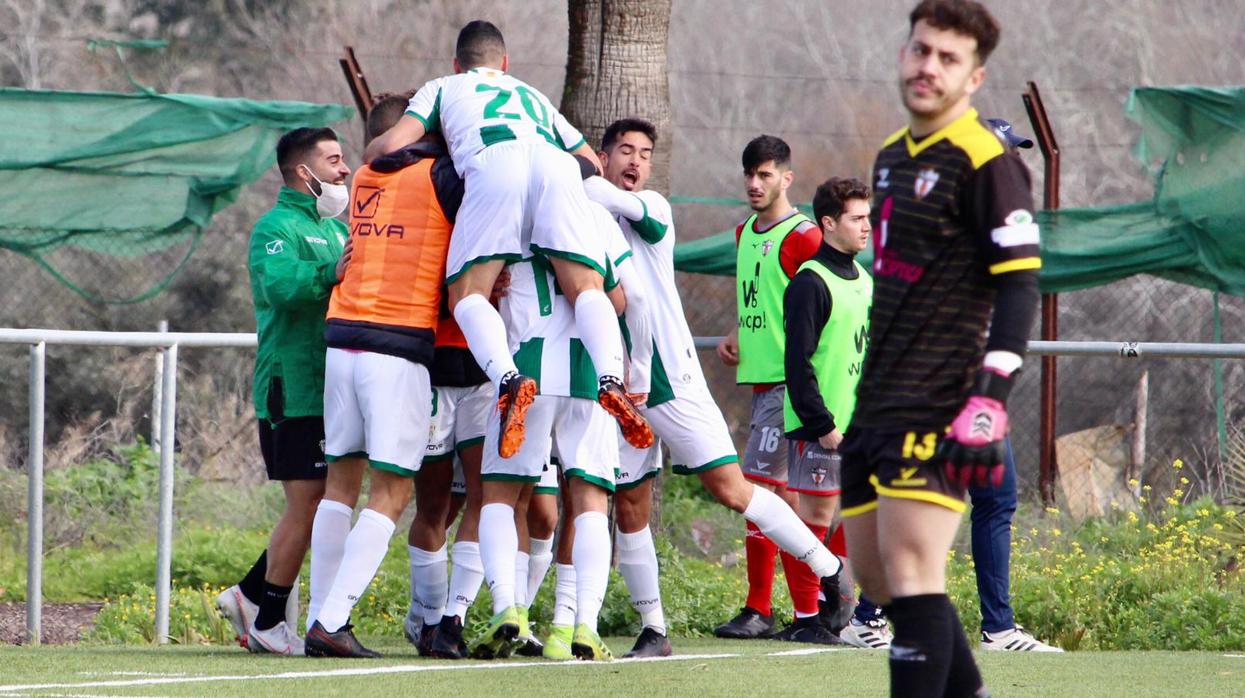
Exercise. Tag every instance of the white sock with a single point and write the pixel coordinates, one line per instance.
(365, 550)
(564, 595)
(467, 578)
(430, 583)
(521, 562)
(486, 336)
(329, 529)
(637, 561)
(777, 521)
(598, 330)
(591, 554)
(542, 557)
(499, 545)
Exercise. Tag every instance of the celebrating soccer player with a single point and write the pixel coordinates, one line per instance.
(955, 294)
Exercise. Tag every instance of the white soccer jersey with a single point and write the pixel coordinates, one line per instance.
(540, 322)
(676, 368)
(482, 106)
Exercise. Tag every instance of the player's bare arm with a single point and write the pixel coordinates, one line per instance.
(405, 132)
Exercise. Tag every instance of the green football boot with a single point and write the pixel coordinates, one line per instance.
(558, 644)
(587, 645)
(494, 643)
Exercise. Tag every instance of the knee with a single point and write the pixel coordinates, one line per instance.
(631, 516)
(733, 493)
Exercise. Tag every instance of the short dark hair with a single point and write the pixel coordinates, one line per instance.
(762, 149)
(479, 43)
(615, 130)
(967, 17)
(295, 145)
(387, 108)
(832, 196)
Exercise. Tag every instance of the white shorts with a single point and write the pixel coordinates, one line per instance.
(523, 195)
(548, 483)
(458, 419)
(377, 406)
(637, 464)
(586, 438)
(694, 430)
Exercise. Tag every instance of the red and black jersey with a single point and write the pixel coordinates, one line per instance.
(952, 216)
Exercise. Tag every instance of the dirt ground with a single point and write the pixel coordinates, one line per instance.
(62, 622)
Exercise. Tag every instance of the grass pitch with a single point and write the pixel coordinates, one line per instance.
(699, 668)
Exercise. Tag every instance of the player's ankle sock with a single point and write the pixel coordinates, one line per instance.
(486, 336)
(430, 583)
(804, 586)
(838, 542)
(564, 595)
(760, 554)
(964, 679)
(272, 608)
(365, 550)
(598, 329)
(591, 555)
(920, 654)
(522, 563)
(777, 521)
(499, 543)
(252, 585)
(467, 578)
(329, 529)
(866, 610)
(637, 561)
(538, 567)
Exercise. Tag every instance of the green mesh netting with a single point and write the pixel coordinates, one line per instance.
(1192, 231)
(130, 175)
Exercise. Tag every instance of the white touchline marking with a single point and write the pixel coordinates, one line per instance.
(1235, 656)
(810, 650)
(392, 669)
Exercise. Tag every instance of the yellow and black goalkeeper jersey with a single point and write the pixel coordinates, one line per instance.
(952, 214)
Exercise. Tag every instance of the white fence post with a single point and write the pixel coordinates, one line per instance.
(164, 530)
(34, 502)
(157, 388)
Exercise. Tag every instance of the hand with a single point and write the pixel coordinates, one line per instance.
(501, 286)
(728, 349)
(831, 440)
(974, 448)
(344, 260)
(638, 399)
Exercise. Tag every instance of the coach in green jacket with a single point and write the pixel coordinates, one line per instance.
(298, 252)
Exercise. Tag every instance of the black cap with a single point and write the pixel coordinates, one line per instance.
(1010, 138)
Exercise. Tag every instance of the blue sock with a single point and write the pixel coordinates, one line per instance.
(866, 610)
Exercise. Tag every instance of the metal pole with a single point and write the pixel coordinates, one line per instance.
(1048, 463)
(157, 389)
(164, 529)
(34, 501)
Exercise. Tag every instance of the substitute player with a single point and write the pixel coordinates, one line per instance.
(772, 244)
(378, 395)
(523, 191)
(955, 294)
(679, 405)
(826, 316)
(295, 259)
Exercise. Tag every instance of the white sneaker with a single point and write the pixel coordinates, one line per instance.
(292, 611)
(238, 610)
(872, 635)
(278, 639)
(1015, 640)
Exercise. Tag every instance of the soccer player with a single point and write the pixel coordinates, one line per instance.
(772, 244)
(542, 336)
(523, 191)
(826, 318)
(955, 294)
(378, 395)
(679, 404)
(295, 259)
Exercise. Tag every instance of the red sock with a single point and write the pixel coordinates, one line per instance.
(838, 542)
(802, 582)
(760, 552)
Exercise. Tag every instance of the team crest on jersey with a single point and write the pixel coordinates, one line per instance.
(819, 475)
(925, 181)
(884, 178)
(766, 247)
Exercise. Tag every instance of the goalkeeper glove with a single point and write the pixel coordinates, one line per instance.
(974, 448)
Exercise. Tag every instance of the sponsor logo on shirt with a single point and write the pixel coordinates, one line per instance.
(315, 240)
(275, 247)
(884, 181)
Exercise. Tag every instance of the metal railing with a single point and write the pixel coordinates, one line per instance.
(170, 342)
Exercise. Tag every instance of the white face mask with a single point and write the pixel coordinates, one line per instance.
(332, 199)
